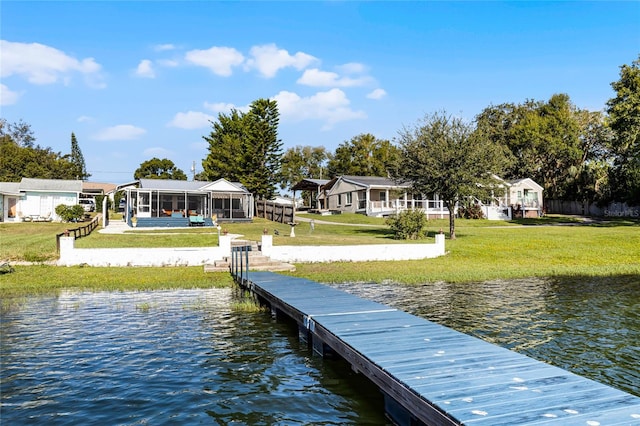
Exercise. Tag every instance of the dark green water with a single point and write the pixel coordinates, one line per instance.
(185, 357)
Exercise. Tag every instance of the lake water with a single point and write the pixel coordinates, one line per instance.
(186, 357)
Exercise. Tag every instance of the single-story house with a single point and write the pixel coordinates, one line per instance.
(36, 199)
(165, 202)
(376, 196)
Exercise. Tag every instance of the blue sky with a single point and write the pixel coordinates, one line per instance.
(136, 80)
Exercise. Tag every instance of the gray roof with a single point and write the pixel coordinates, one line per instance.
(172, 185)
(180, 185)
(50, 185)
(10, 188)
(370, 181)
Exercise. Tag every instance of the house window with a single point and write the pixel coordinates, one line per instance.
(349, 196)
(383, 196)
(339, 200)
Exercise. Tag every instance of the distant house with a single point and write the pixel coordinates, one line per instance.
(522, 198)
(380, 196)
(376, 196)
(153, 201)
(36, 199)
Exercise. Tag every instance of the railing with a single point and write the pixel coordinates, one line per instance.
(240, 263)
(79, 232)
(429, 206)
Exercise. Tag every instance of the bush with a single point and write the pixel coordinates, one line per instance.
(408, 225)
(70, 213)
(472, 211)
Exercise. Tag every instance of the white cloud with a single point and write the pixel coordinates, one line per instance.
(167, 63)
(332, 107)
(145, 69)
(163, 47)
(41, 64)
(191, 120)
(268, 60)
(353, 68)
(377, 94)
(220, 60)
(84, 119)
(225, 108)
(121, 132)
(157, 151)
(316, 78)
(7, 96)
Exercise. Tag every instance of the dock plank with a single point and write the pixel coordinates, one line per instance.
(438, 374)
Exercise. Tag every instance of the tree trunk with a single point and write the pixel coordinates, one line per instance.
(452, 220)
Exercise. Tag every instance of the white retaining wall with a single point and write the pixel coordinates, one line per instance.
(197, 256)
(183, 256)
(355, 253)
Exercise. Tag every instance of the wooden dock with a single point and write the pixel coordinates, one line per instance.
(433, 375)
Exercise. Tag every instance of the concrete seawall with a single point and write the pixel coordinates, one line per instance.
(197, 256)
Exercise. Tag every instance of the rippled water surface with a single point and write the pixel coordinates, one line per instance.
(174, 357)
(590, 326)
(186, 357)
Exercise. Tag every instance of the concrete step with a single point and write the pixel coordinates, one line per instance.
(257, 261)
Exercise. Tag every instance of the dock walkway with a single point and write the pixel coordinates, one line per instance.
(433, 375)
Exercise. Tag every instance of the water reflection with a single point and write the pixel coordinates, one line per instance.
(176, 357)
(590, 326)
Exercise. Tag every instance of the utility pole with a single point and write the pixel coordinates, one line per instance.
(193, 170)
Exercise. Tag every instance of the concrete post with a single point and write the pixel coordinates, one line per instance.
(67, 245)
(224, 243)
(267, 244)
(440, 243)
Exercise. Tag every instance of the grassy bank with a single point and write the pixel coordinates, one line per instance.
(483, 251)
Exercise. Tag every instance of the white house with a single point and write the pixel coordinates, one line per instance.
(36, 199)
(522, 198)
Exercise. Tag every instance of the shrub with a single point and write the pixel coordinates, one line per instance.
(408, 225)
(69, 213)
(471, 211)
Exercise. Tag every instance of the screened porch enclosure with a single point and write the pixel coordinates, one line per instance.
(156, 202)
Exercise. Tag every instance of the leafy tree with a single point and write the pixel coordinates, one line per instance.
(543, 139)
(245, 148)
(588, 179)
(77, 160)
(19, 132)
(441, 154)
(303, 162)
(363, 155)
(17, 162)
(159, 169)
(624, 120)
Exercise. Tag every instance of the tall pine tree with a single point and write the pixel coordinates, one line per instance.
(245, 148)
(77, 160)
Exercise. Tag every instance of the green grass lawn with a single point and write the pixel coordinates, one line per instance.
(483, 250)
